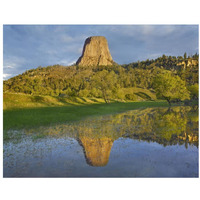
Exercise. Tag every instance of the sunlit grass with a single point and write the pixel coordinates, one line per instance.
(33, 117)
(18, 100)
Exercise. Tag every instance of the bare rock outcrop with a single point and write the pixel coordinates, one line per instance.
(95, 52)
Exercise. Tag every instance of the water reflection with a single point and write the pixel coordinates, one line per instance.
(177, 125)
(96, 150)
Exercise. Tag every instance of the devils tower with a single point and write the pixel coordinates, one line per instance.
(95, 52)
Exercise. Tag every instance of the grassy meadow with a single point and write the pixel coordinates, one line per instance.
(26, 111)
(21, 100)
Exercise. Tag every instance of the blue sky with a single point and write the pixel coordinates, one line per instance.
(29, 46)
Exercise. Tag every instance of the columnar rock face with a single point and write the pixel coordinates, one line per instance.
(95, 52)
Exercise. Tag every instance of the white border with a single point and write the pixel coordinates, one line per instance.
(97, 12)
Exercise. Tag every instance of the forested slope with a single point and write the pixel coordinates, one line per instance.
(134, 81)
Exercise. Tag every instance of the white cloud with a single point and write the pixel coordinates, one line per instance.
(72, 39)
(72, 62)
(27, 47)
(9, 67)
(6, 76)
(10, 63)
(66, 62)
(67, 38)
(13, 65)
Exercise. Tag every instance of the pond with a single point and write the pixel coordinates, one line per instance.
(152, 142)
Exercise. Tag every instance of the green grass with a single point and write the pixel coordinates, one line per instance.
(42, 116)
(141, 93)
(19, 100)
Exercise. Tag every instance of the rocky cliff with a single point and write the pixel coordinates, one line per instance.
(95, 52)
(188, 63)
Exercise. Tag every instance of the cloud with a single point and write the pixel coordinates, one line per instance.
(30, 46)
(7, 76)
(66, 62)
(9, 67)
(72, 62)
(67, 38)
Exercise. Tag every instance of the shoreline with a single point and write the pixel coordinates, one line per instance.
(43, 116)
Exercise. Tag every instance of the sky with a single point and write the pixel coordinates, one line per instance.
(30, 46)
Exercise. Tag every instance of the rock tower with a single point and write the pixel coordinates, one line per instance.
(95, 52)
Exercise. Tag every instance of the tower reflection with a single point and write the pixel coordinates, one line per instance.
(96, 150)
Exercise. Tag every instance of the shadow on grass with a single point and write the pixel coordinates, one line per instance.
(94, 100)
(33, 117)
(83, 99)
(143, 95)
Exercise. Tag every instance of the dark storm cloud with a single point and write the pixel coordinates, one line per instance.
(30, 46)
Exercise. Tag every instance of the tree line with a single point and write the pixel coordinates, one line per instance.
(171, 78)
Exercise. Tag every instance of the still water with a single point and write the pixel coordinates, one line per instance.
(153, 142)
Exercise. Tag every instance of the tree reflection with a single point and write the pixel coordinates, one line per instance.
(177, 125)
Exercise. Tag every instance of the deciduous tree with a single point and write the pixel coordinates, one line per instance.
(170, 87)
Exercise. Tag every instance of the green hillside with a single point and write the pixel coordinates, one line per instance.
(62, 85)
